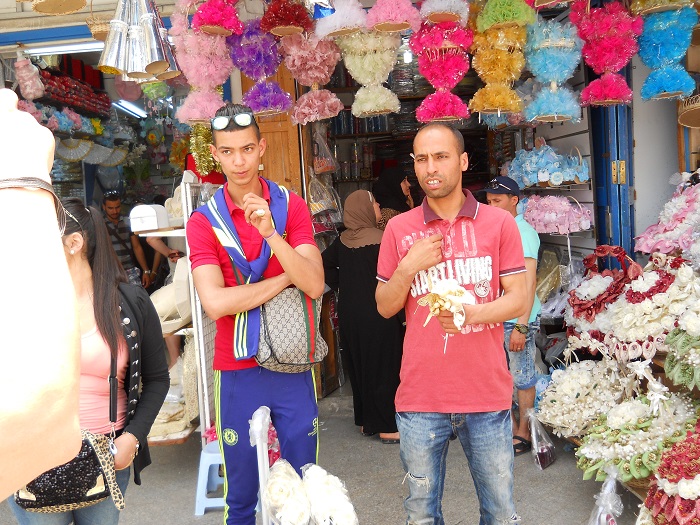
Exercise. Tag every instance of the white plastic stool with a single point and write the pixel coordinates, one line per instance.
(208, 479)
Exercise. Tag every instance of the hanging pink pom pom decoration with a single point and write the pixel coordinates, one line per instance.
(286, 17)
(198, 106)
(311, 62)
(309, 59)
(217, 17)
(442, 59)
(205, 61)
(441, 105)
(609, 89)
(316, 105)
(393, 15)
(610, 41)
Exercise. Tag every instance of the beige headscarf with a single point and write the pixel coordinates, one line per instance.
(360, 221)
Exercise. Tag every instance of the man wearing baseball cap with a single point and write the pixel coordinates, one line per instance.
(519, 341)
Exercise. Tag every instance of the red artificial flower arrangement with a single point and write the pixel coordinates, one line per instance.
(588, 308)
(286, 17)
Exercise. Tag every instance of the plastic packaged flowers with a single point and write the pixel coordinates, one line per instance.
(30, 84)
(557, 214)
(577, 395)
(673, 496)
(610, 41)
(329, 499)
(662, 46)
(632, 437)
(369, 57)
(284, 495)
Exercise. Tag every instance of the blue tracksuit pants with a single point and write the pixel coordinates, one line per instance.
(294, 412)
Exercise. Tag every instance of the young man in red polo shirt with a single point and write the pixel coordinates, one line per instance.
(454, 383)
(268, 261)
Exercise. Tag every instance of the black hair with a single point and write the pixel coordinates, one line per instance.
(459, 138)
(387, 190)
(229, 110)
(107, 272)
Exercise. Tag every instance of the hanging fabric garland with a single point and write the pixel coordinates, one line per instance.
(662, 46)
(217, 17)
(286, 17)
(311, 62)
(349, 17)
(393, 16)
(552, 52)
(437, 11)
(257, 55)
(610, 36)
(370, 57)
(442, 59)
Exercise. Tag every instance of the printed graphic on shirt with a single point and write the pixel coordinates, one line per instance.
(461, 263)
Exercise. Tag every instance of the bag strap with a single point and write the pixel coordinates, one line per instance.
(115, 231)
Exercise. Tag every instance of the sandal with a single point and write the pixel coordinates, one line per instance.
(522, 446)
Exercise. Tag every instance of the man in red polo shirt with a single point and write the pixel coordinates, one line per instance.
(454, 382)
(269, 262)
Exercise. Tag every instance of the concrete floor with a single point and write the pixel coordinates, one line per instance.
(372, 473)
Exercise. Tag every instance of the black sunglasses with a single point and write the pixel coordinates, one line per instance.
(242, 120)
(494, 185)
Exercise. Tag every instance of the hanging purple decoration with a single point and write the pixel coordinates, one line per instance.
(257, 55)
(255, 52)
(267, 98)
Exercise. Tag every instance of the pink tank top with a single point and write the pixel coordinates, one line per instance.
(94, 384)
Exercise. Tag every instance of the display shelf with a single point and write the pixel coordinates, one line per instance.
(170, 232)
(353, 136)
(581, 186)
(583, 233)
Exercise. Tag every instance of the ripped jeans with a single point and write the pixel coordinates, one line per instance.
(486, 441)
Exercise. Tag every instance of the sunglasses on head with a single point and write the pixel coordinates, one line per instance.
(242, 120)
(494, 185)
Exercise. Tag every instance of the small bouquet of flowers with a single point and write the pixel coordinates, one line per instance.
(632, 435)
(673, 496)
(577, 395)
(446, 295)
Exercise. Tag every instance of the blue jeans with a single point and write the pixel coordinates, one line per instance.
(102, 513)
(486, 441)
(522, 364)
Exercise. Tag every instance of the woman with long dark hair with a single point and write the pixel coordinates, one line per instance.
(117, 319)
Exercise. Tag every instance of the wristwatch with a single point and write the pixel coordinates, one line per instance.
(522, 328)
